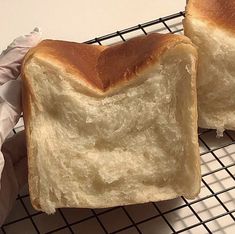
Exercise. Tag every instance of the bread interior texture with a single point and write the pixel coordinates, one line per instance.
(132, 145)
(216, 74)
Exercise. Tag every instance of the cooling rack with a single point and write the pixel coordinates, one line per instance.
(211, 212)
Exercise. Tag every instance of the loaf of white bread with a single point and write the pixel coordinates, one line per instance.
(210, 24)
(111, 125)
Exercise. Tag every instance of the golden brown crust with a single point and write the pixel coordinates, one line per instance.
(103, 67)
(216, 12)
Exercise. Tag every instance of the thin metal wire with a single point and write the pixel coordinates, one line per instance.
(65, 220)
(135, 28)
(120, 35)
(165, 24)
(98, 41)
(140, 26)
(216, 148)
(219, 169)
(229, 136)
(21, 219)
(212, 152)
(132, 221)
(232, 138)
(99, 221)
(206, 221)
(217, 198)
(198, 217)
(177, 31)
(29, 216)
(57, 229)
(163, 216)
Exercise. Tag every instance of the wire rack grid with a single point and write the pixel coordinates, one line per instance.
(211, 212)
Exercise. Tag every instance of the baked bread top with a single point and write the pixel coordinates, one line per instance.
(102, 69)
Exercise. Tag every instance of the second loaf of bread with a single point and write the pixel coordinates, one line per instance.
(210, 24)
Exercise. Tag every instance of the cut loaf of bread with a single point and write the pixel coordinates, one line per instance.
(111, 125)
(210, 24)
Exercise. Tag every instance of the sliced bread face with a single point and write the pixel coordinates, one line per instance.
(112, 139)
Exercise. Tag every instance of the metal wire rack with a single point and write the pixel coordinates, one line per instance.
(212, 212)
